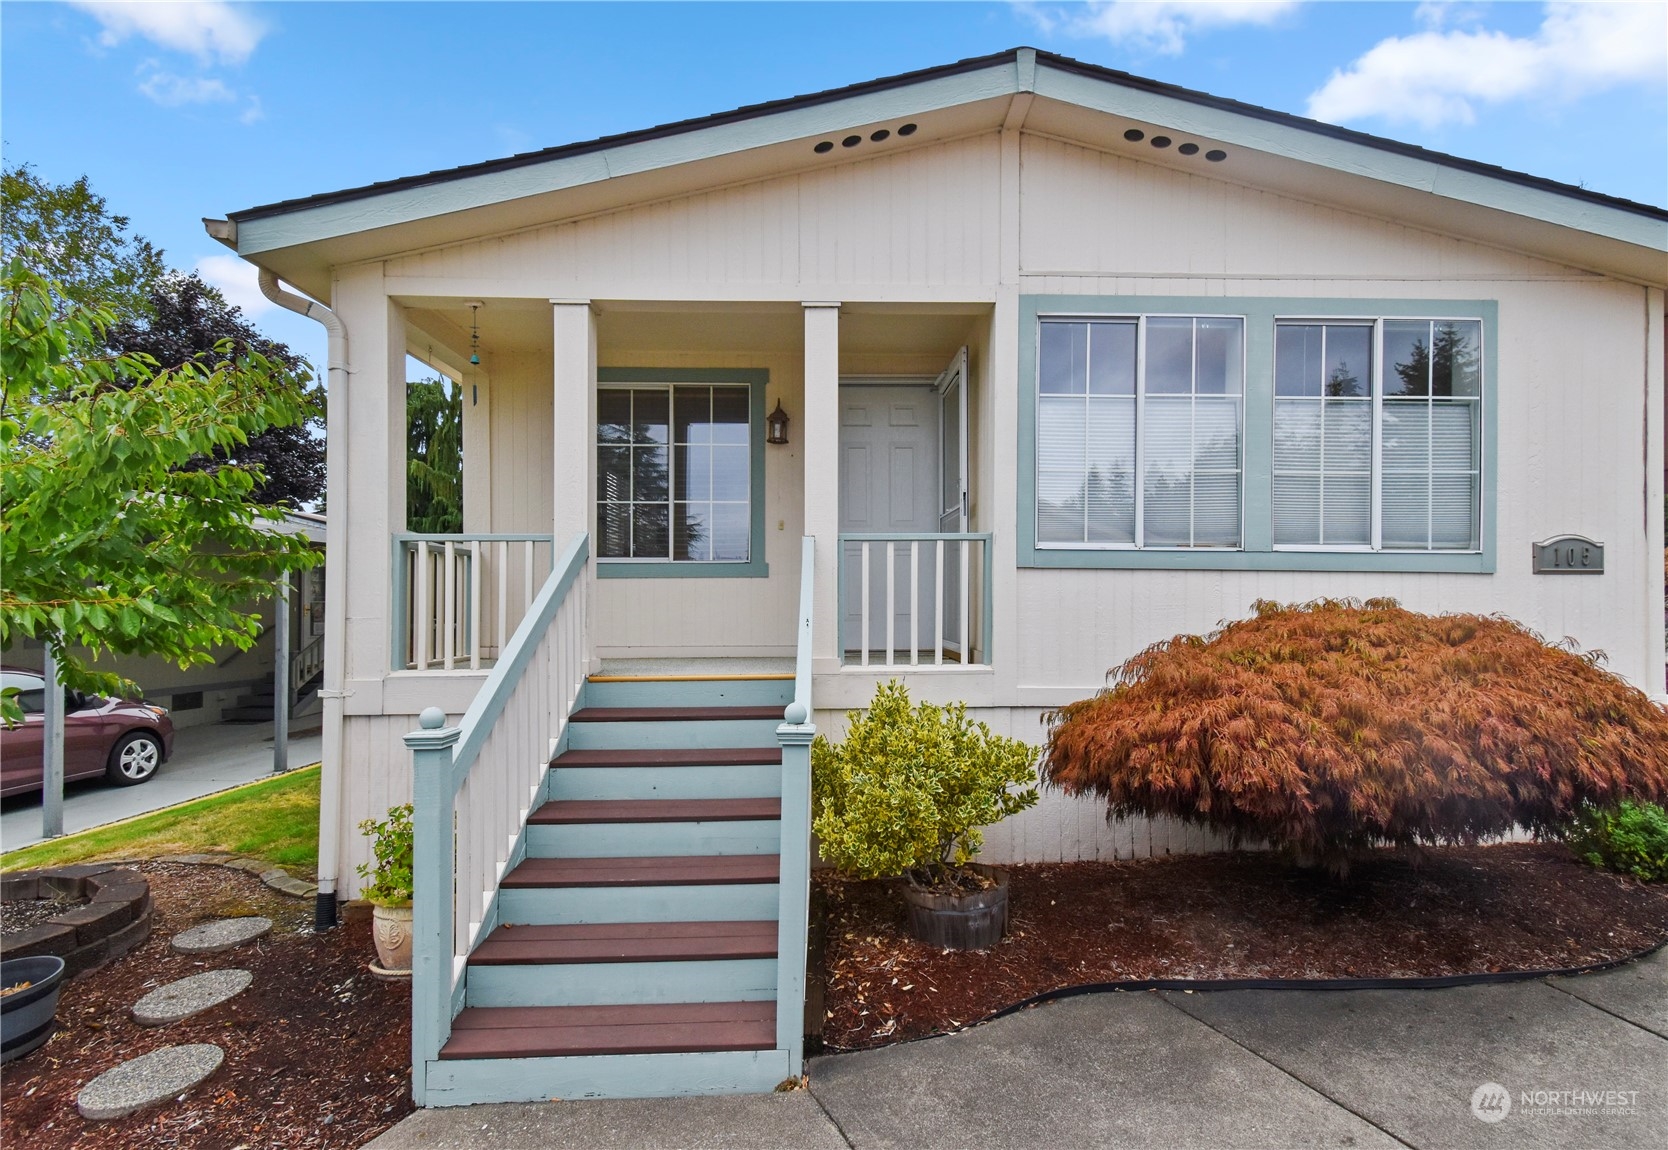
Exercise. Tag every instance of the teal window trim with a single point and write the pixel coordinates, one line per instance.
(1257, 552)
(756, 379)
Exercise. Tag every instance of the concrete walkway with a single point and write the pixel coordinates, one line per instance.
(205, 760)
(1236, 1069)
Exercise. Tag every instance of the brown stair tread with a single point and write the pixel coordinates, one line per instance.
(681, 757)
(583, 811)
(626, 942)
(674, 714)
(675, 870)
(643, 1028)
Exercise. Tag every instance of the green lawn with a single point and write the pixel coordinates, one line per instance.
(275, 819)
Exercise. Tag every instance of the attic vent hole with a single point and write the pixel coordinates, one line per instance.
(1161, 141)
(824, 147)
(1216, 155)
(851, 141)
(907, 130)
(1135, 135)
(877, 137)
(1188, 149)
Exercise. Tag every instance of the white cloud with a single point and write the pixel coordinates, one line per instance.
(238, 281)
(172, 90)
(1441, 76)
(210, 31)
(1160, 26)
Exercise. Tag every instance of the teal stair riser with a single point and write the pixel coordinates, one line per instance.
(601, 984)
(465, 1082)
(618, 840)
(633, 735)
(691, 693)
(552, 906)
(731, 782)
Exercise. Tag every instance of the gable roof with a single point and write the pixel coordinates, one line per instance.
(982, 91)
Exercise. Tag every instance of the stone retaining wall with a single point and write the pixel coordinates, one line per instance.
(114, 918)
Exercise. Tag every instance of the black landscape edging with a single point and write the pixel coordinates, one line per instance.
(1209, 985)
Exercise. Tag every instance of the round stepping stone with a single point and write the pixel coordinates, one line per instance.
(147, 1080)
(189, 996)
(222, 934)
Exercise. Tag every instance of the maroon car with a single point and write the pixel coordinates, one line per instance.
(123, 740)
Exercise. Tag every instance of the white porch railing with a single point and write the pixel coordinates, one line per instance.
(458, 598)
(915, 600)
(472, 787)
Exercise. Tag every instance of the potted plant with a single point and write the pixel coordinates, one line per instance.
(389, 891)
(905, 794)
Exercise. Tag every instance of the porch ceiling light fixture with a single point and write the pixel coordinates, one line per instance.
(776, 425)
(474, 333)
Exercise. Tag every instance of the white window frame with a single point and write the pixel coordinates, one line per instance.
(1376, 480)
(1140, 319)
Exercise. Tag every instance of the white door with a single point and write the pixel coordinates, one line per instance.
(889, 483)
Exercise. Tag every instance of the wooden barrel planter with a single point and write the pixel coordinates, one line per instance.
(974, 921)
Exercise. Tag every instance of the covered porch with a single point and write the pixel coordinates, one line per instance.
(645, 424)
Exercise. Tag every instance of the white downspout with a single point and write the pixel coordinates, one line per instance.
(335, 589)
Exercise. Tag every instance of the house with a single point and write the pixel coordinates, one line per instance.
(1071, 361)
(236, 686)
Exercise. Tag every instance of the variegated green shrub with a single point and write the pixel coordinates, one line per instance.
(908, 789)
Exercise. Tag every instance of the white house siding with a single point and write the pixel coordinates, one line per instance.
(983, 220)
(376, 775)
(928, 216)
(1570, 354)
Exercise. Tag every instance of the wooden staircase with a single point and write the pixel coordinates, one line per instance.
(636, 942)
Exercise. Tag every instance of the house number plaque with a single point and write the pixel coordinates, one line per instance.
(1569, 555)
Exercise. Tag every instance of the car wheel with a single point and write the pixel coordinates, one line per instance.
(134, 759)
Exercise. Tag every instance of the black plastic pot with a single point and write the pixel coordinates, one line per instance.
(973, 921)
(26, 1017)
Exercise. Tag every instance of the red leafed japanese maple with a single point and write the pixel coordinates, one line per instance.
(1332, 727)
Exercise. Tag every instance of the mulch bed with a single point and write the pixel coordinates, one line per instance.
(1518, 906)
(317, 1051)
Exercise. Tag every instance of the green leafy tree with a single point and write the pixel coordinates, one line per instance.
(189, 321)
(434, 457)
(67, 234)
(109, 541)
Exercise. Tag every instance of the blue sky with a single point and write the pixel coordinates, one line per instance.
(178, 111)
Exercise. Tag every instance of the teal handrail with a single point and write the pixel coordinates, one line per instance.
(442, 760)
(795, 735)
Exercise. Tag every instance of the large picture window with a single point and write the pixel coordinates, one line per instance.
(1377, 434)
(674, 472)
(1138, 431)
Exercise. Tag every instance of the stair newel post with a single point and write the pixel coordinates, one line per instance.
(432, 795)
(795, 736)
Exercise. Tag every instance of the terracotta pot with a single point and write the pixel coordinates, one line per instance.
(391, 930)
(974, 921)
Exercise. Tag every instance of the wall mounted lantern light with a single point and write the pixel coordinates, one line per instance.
(776, 425)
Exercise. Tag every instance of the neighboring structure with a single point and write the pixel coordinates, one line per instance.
(1073, 361)
(238, 685)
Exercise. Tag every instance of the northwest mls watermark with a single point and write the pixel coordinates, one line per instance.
(1492, 1102)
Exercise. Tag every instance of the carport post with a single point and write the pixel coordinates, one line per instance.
(281, 680)
(52, 736)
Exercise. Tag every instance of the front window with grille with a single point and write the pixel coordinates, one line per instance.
(1377, 434)
(674, 473)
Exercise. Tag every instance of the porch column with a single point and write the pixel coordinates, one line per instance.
(574, 437)
(574, 431)
(375, 407)
(822, 473)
